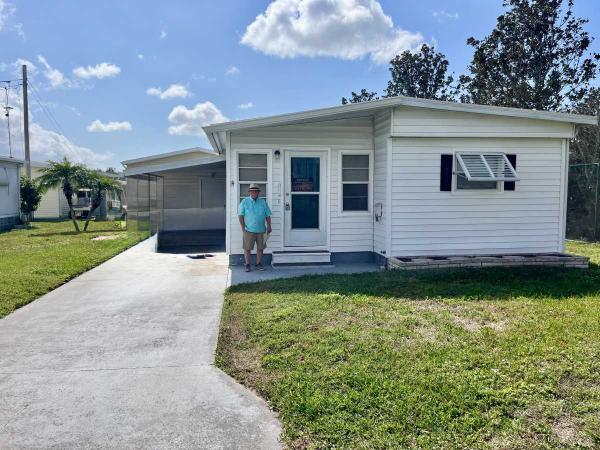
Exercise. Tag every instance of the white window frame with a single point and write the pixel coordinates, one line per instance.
(341, 183)
(237, 181)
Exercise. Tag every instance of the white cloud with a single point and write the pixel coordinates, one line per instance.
(345, 29)
(163, 34)
(99, 127)
(140, 56)
(20, 32)
(173, 91)
(46, 144)
(246, 105)
(6, 11)
(102, 70)
(54, 76)
(189, 122)
(443, 16)
(233, 70)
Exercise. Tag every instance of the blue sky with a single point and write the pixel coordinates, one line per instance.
(127, 79)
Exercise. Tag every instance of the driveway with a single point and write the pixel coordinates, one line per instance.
(121, 357)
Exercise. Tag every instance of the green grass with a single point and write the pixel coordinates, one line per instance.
(36, 260)
(493, 358)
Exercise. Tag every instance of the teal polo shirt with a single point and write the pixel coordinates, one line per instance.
(255, 213)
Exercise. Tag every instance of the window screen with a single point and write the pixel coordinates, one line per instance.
(355, 182)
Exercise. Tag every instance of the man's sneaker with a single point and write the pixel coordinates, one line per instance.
(259, 266)
(247, 267)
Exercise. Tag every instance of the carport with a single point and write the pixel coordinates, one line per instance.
(181, 196)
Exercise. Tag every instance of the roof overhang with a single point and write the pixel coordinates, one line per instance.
(6, 159)
(160, 163)
(216, 133)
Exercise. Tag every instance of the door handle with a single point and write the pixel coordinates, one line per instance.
(287, 206)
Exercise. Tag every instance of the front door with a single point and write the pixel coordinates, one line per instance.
(305, 201)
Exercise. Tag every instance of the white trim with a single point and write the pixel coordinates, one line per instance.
(15, 161)
(564, 180)
(369, 211)
(185, 151)
(228, 180)
(173, 165)
(371, 106)
(387, 207)
(491, 175)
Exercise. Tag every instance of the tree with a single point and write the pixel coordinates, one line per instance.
(364, 96)
(31, 196)
(100, 185)
(421, 74)
(66, 176)
(111, 170)
(536, 58)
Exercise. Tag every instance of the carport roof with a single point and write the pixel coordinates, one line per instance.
(171, 160)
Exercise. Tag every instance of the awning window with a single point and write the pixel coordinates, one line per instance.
(486, 167)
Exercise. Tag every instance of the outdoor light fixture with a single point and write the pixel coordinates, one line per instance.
(277, 154)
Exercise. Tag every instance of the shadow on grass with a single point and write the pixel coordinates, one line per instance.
(464, 284)
(74, 233)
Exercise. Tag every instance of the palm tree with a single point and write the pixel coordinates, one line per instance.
(68, 177)
(100, 185)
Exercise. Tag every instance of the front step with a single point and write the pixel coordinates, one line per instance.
(301, 257)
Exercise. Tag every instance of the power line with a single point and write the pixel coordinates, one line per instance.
(51, 117)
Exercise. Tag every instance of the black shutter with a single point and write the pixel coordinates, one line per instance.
(446, 172)
(510, 185)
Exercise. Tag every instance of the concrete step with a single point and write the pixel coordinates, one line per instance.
(301, 257)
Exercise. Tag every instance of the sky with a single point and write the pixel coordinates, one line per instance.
(115, 80)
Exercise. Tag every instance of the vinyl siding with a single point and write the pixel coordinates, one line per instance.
(381, 135)
(409, 121)
(346, 232)
(426, 221)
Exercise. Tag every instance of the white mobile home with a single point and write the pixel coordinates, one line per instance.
(54, 203)
(392, 178)
(10, 199)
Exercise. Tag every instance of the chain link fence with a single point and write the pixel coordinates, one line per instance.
(583, 208)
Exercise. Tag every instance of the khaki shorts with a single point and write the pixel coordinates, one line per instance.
(251, 238)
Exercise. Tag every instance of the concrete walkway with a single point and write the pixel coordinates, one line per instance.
(121, 357)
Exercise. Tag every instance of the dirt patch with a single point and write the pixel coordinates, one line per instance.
(475, 324)
(567, 432)
(471, 318)
(106, 237)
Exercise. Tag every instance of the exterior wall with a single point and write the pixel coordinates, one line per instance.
(10, 202)
(185, 195)
(381, 137)
(422, 122)
(54, 203)
(347, 232)
(426, 221)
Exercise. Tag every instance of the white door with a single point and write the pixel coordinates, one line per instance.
(305, 198)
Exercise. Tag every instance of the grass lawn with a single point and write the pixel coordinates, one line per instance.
(37, 260)
(493, 358)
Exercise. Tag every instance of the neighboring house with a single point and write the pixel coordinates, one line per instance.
(388, 178)
(10, 198)
(54, 203)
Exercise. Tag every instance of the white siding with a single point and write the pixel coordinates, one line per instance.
(435, 123)
(53, 204)
(381, 135)
(426, 221)
(347, 233)
(9, 194)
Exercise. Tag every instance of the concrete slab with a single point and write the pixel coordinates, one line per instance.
(238, 274)
(121, 357)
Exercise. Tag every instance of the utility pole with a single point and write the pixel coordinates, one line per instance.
(26, 123)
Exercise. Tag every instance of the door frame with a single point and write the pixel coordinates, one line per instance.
(326, 198)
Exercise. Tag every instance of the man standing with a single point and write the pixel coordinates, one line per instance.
(253, 213)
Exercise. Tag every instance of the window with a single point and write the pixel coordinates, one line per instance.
(483, 171)
(355, 182)
(252, 168)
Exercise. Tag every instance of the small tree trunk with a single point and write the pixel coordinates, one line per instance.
(89, 217)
